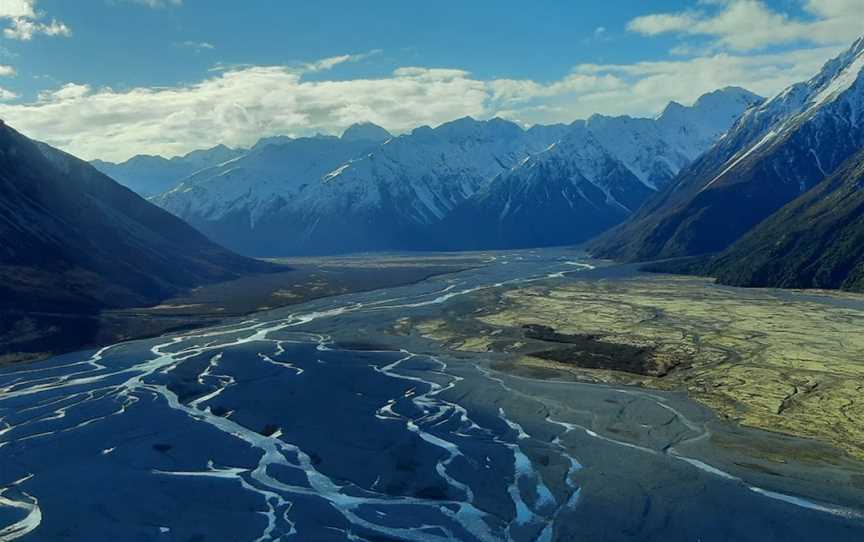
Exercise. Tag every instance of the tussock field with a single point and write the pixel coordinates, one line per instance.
(787, 362)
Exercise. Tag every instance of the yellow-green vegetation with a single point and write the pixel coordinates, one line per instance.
(777, 361)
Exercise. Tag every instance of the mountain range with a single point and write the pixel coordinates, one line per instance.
(150, 175)
(752, 191)
(368, 190)
(777, 152)
(594, 177)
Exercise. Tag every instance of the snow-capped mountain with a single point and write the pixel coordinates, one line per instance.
(149, 175)
(356, 192)
(367, 190)
(571, 191)
(774, 153)
(594, 177)
(655, 150)
(267, 178)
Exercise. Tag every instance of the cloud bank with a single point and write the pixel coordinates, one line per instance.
(236, 105)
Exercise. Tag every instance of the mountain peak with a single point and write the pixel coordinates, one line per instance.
(366, 131)
(726, 95)
(272, 140)
(731, 99)
(836, 77)
(839, 73)
(470, 127)
(672, 108)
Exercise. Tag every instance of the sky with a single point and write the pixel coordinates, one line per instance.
(110, 79)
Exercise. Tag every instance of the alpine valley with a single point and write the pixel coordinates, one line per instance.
(366, 190)
(443, 327)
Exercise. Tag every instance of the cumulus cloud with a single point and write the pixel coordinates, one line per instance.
(644, 88)
(237, 105)
(6, 71)
(746, 25)
(24, 21)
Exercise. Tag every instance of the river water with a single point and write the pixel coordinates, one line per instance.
(270, 428)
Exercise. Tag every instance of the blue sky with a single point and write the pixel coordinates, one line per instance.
(113, 78)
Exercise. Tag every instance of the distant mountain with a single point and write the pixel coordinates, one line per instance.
(655, 150)
(75, 240)
(571, 191)
(150, 175)
(600, 172)
(357, 192)
(774, 153)
(816, 241)
(447, 187)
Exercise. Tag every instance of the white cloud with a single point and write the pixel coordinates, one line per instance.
(11, 9)
(333, 61)
(25, 29)
(236, 105)
(651, 25)
(746, 25)
(6, 71)
(644, 88)
(198, 46)
(68, 92)
(25, 21)
(7, 95)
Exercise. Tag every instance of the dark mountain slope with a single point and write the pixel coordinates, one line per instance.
(817, 241)
(73, 240)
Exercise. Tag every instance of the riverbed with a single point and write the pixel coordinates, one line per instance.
(316, 422)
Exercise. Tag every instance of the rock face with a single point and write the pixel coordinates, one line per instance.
(464, 184)
(73, 239)
(774, 153)
(149, 175)
(816, 241)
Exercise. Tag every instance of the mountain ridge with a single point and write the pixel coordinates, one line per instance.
(774, 153)
(347, 194)
(594, 177)
(63, 220)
